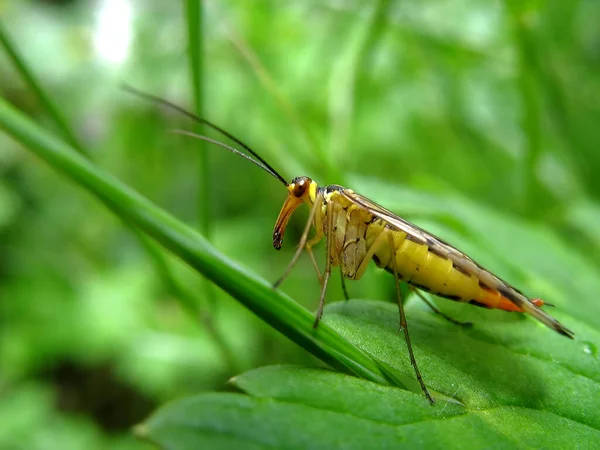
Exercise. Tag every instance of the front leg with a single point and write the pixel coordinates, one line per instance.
(330, 249)
(309, 245)
(303, 241)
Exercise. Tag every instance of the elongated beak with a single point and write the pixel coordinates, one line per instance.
(290, 205)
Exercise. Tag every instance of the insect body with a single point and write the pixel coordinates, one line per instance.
(363, 230)
(357, 230)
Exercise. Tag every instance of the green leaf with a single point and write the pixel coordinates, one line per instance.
(503, 359)
(308, 408)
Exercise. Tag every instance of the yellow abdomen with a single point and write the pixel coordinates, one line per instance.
(420, 267)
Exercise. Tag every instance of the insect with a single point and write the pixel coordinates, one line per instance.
(358, 230)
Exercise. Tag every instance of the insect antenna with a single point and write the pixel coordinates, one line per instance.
(161, 101)
(231, 149)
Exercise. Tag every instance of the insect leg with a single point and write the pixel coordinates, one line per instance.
(403, 323)
(379, 240)
(330, 248)
(437, 311)
(346, 296)
(303, 242)
(309, 246)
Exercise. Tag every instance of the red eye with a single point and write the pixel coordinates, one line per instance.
(300, 188)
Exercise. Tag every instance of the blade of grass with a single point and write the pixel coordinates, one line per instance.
(33, 84)
(275, 308)
(190, 302)
(194, 18)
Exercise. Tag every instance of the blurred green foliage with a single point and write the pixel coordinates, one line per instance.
(497, 102)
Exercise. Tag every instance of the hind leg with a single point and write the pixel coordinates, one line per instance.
(403, 323)
(437, 311)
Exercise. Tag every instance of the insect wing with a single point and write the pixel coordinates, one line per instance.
(416, 233)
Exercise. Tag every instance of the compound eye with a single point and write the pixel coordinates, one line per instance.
(300, 188)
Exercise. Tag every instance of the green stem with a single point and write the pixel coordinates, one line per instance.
(194, 16)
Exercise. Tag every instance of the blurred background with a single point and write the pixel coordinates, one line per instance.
(491, 103)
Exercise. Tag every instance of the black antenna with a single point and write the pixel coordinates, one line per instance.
(227, 147)
(161, 101)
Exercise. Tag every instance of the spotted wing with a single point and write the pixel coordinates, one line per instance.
(458, 258)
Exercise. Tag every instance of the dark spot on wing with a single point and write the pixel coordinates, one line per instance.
(505, 292)
(460, 269)
(437, 252)
(417, 239)
(430, 241)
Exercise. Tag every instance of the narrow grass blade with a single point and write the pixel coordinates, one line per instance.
(275, 308)
(194, 17)
(40, 93)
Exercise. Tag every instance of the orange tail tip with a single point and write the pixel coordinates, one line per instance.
(494, 299)
(539, 302)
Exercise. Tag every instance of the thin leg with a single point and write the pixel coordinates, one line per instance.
(379, 240)
(303, 241)
(322, 298)
(437, 311)
(346, 296)
(403, 323)
(309, 246)
(327, 274)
